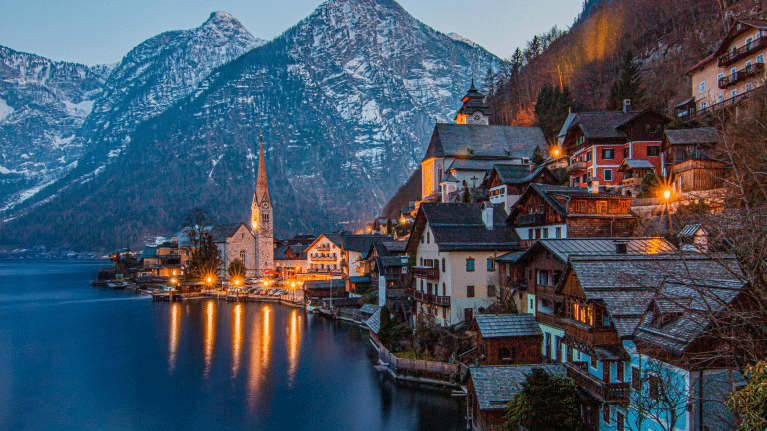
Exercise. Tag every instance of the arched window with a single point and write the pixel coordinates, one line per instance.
(243, 255)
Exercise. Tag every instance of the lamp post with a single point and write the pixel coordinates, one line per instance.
(667, 194)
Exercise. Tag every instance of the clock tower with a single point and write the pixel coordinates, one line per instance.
(261, 223)
(474, 109)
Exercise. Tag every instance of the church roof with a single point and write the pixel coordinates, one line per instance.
(479, 141)
(262, 188)
(221, 232)
(474, 101)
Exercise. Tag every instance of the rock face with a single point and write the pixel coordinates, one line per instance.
(346, 100)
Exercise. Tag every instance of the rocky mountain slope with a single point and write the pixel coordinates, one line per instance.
(346, 100)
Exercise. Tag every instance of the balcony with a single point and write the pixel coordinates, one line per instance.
(432, 299)
(324, 256)
(426, 272)
(735, 55)
(610, 393)
(549, 319)
(531, 219)
(577, 167)
(741, 75)
(547, 292)
(632, 182)
(422, 296)
(441, 300)
(591, 335)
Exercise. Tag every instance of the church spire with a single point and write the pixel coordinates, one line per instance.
(262, 188)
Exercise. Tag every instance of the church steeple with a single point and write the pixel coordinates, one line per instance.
(262, 222)
(474, 109)
(262, 188)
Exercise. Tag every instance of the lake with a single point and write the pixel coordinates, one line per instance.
(77, 357)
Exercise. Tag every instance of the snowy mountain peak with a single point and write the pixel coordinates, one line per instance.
(458, 38)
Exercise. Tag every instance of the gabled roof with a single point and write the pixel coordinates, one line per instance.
(636, 164)
(374, 322)
(495, 386)
(220, 232)
(507, 325)
(690, 230)
(605, 124)
(700, 135)
(563, 248)
(361, 243)
(472, 165)
(627, 283)
(558, 196)
(459, 227)
(737, 28)
(517, 174)
(336, 239)
(484, 142)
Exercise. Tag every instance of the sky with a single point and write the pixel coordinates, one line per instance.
(103, 31)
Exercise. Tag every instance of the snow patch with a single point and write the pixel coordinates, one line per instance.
(82, 109)
(5, 110)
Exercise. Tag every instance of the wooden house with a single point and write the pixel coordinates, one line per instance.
(506, 339)
(689, 159)
(506, 183)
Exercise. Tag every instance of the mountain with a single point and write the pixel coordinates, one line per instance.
(346, 100)
(80, 110)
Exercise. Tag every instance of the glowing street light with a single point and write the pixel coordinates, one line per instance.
(667, 194)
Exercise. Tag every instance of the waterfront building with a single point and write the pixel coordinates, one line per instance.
(470, 148)
(234, 241)
(491, 388)
(729, 74)
(324, 254)
(386, 264)
(546, 211)
(506, 339)
(454, 247)
(291, 259)
(353, 248)
(262, 220)
(597, 143)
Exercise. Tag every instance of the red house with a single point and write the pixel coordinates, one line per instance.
(599, 142)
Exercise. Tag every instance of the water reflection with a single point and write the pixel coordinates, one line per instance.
(294, 345)
(209, 335)
(260, 353)
(237, 322)
(174, 331)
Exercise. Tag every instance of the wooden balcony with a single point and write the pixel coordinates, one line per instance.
(422, 296)
(577, 167)
(429, 298)
(591, 335)
(629, 182)
(735, 55)
(547, 292)
(531, 219)
(324, 256)
(549, 319)
(426, 272)
(610, 393)
(741, 75)
(441, 300)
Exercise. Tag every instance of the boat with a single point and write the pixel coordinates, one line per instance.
(117, 285)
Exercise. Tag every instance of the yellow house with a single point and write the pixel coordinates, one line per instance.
(454, 246)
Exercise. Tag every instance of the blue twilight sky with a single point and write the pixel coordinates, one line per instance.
(103, 31)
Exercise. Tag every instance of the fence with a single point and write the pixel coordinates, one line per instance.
(399, 364)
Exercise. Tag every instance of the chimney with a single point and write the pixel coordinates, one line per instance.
(626, 106)
(487, 215)
(594, 185)
(621, 246)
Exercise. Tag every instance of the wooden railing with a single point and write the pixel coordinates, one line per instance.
(548, 292)
(611, 393)
(741, 75)
(549, 319)
(415, 365)
(431, 299)
(734, 55)
(426, 272)
(441, 300)
(577, 167)
(592, 335)
(531, 219)
(422, 296)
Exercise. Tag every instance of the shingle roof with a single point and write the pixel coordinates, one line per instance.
(362, 243)
(507, 325)
(510, 257)
(637, 164)
(701, 135)
(517, 174)
(369, 308)
(563, 248)
(395, 246)
(459, 226)
(495, 386)
(599, 124)
(480, 141)
(689, 230)
(221, 232)
(557, 196)
(472, 165)
(374, 322)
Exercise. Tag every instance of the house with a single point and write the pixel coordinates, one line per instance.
(633, 172)
(505, 339)
(598, 143)
(386, 263)
(318, 290)
(605, 301)
(545, 211)
(324, 255)
(454, 247)
(731, 72)
(690, 162)
(471, 142)
(694, 238)
(491, 388)
(506, 183)
(353, 249)
(291, 258)
(235, 241)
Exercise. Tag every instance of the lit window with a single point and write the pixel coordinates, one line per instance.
(702, 87)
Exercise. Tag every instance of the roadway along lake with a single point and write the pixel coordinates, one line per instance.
(77, 357)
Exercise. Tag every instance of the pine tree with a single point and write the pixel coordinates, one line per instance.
(537, 157)
(488, 84)
(466, 198)
(206, 259)
(551, 109)
(629, 84)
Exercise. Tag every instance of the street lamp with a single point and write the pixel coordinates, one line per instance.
(667, 194)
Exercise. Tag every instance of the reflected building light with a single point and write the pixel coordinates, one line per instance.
(294, 346)
(237, 322)
(209, 336)
(266, 336)
(174, 332)
(260, 354)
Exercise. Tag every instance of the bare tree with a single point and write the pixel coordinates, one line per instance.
(196, 220)
(660, 395)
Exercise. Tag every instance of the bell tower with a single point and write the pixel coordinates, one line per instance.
(261, 218)
(474, 109)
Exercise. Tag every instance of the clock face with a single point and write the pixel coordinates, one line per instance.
(477, 116)
(265, 205)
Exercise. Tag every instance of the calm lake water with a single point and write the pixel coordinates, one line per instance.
(77, 357)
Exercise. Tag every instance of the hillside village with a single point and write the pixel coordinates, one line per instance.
(601, 256)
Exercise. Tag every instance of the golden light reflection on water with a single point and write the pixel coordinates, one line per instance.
(209, 335)
(260, 353)
(294, 346)
(237, 323)
(174, 332)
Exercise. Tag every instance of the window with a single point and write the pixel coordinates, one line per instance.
(537, 233)
(703, 105)
(443, 289)
(653, 150)
(620, 372)
(734, 71)
(428, 237)
(749, 63)
(543, 278)
(470, 264)
(584, 177)
(702, 87)
(749, 86)
(443, 264)
(733, 93)
(588, 156)
(760, 58)
(601, 207)
(490, 264)
(626, 152)
(608, 174)
(606, 413)
(720, 77)
(748, 42)
(608, 153)
(529, 234)
(469, 291)
(720, 98)
(594, 363)
(545, 232)
(491, 291)
(558, 233)
(548, 345)
(504, 353)
(654, 388)
(242, 257)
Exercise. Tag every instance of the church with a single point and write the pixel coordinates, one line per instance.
(261, 223)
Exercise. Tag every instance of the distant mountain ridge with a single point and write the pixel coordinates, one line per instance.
(346, 100)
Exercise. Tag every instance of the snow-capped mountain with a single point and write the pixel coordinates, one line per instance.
(346, 100)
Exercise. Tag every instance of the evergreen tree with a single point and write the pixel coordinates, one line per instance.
(389, 226)
(629, 84)
(537, 157)
(517, 60)
(466, 198)
(236, 269)
(545, 403)
(206, 259)
(488, 84)
(551, 109)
